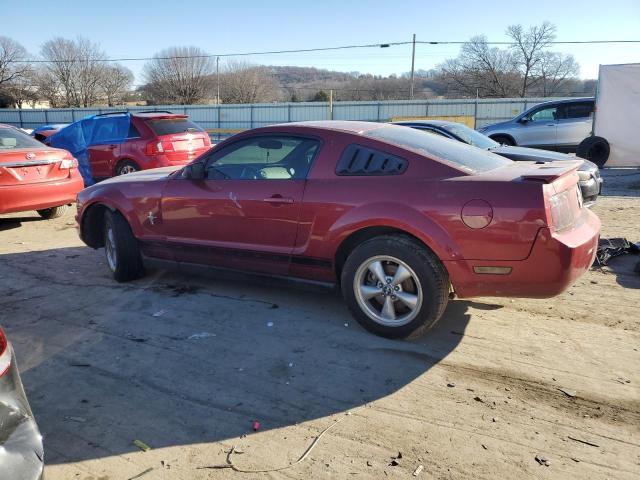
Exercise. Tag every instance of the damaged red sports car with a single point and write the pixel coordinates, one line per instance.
(401, 220)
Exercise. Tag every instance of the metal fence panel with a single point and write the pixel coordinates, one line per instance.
(224, 120)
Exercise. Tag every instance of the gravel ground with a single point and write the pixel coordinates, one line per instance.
(186, 364)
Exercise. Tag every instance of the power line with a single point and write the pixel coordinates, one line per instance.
(320, 49)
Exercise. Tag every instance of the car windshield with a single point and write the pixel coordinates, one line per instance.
(170, 126)
(468, 158)
(12, 138)
(470, 136)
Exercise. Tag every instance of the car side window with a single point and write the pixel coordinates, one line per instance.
(545, 114)
(133, 131)
(274, 157)
(577, 110)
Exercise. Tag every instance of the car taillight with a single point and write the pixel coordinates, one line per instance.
(5, 354)
(68, 164)
(155, 147)
(563, 206)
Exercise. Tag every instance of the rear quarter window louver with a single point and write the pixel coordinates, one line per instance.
(364, 161)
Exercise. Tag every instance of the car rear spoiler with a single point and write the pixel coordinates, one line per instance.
(551, 171)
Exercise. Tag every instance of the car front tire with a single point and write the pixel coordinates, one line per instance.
(54, 212)
(395, 287)
(121, 248)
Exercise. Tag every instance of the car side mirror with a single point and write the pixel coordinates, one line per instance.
(194, 171)
(525, 120)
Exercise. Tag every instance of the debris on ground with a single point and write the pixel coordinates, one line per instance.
(76, 419)
(451, 385)
(609, 248)
(269, 324)
(542, 460)
(583, 441)
(148, 470)
(256, 425)
(478, 399)
(418, 470)
(159, 313)
(484, 446)
(141, 445)
(394, 460)
(306, 453)
(568, 392)
(197, 336)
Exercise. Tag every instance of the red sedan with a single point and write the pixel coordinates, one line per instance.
(34, 176)
(399, 219)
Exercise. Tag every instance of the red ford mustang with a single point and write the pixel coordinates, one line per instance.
(399, 219)
(34, 176)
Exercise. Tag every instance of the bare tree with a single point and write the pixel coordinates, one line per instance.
(243, 82)
(49, 88)
(179, 75)
(115, 83)
(21, 90)
(481, 70)
(77, 66)
(528, 49)
(13, 63)
(553, 71)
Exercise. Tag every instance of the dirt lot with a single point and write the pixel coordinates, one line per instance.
(185, 364)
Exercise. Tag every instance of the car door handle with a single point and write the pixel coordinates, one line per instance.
(277, 198)
(551, 124)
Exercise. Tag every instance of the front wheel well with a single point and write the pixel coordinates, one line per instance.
(356, 238)
(505, 136)
(92, 226)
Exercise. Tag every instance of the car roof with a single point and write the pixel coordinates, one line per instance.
(566, 100)
(431, 123)
(350, 126)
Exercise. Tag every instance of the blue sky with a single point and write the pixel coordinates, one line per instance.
(141, 28)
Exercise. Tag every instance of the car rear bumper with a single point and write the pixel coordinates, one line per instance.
(38, 196)
(555, 262)
(21, 450)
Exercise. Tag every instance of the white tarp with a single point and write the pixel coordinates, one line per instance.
(617, 113)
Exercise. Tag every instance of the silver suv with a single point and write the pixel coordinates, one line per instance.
(559, 125)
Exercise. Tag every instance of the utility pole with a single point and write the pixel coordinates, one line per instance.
(413, 65)
(218, 80)
(330, 104)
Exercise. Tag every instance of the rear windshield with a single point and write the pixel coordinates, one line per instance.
(11, 138)
(170, 126)
(466, 157)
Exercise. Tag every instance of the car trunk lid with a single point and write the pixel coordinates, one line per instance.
(32, 165)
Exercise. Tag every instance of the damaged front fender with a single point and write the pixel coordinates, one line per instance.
(21, 450)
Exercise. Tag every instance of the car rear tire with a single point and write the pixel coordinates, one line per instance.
(501, 139)
(394, 286)
(121, 248)
(594, 149)
(54, 212)
(126, 167)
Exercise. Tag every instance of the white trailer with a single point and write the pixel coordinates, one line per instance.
(616, 128)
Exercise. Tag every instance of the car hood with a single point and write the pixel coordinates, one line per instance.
(508, 123)
(538, 155)
(150, 175)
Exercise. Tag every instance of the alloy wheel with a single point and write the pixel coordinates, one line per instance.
(388, 291)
